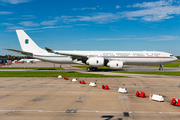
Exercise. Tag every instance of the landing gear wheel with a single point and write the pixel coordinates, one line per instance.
(89, 69)
(94, 68)
(161, 67)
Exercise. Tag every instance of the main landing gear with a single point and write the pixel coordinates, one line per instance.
(161, 67)
(91, 69)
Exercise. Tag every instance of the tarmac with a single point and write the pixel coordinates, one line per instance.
(48, 98)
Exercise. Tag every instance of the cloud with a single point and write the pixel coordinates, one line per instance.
(132, 37)
(15, 1)
(85, 8)
(82, 24)
(97, 17)
(29, 23)
(147, 11)
(106, 39)
(12, 28)
(29, 17)
(5, 13)
(117, 6)
(15, 28)
(51, 22)
(152, 4)
(52, 27)
(158, 38)
(153, 11)
(154, 14)
(23, 17)
(6, 24)
(128, 6)
(165, 38)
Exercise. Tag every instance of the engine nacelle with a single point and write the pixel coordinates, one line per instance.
(115, 64)
(95, 61)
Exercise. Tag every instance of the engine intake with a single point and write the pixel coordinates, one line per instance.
(115, 64)
(95, 61)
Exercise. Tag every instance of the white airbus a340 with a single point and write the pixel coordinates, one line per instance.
(112, 59)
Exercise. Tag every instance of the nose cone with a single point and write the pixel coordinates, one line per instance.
(175, 58)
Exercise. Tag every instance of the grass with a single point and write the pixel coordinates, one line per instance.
(85, 66)
(49, 74)
(37, 68)
(173, 73)
(174, 64)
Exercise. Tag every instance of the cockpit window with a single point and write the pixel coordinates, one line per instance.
(171, 55)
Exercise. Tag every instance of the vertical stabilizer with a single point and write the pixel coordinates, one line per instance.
(27, 44)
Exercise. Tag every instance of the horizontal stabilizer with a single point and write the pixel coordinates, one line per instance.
(21, 52)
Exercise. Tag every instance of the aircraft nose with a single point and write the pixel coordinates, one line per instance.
(175, 58)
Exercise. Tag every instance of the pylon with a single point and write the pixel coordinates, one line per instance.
(150, 97)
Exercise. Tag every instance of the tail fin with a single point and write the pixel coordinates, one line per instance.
(27, 44)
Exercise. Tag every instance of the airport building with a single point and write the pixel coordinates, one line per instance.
(3, 60)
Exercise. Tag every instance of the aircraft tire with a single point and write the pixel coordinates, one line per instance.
(89, 69)
(93, 69)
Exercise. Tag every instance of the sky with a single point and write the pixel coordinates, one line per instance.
(95, 25)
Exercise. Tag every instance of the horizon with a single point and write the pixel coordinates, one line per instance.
(101, 25)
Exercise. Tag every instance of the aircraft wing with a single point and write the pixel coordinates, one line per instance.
(74, 56)
(21, 52)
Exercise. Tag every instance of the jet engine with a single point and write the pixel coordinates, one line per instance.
(115, 64)
(95, 61)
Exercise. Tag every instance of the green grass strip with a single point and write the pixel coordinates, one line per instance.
(103, 67)
(50, 74)
(85, 66)
(174, 64)
(36, 68)
(173, 73)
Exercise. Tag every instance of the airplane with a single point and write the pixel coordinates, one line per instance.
(111, 59)
(29, 60)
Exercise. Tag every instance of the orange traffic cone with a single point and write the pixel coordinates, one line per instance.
(150, 97)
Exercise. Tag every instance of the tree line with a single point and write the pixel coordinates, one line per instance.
(12, 58)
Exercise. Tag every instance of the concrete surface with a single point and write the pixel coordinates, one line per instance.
(35, 98)
(68, 67)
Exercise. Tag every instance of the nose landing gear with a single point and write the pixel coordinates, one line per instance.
(161, 67)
